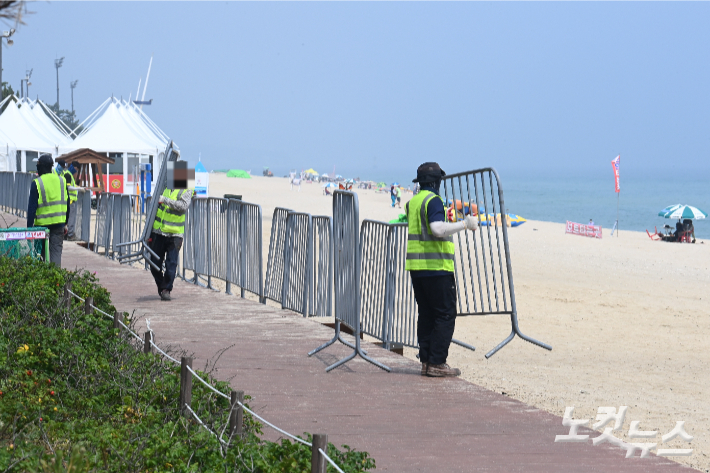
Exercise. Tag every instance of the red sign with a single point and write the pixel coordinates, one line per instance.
(615, 166)
(592, 231)
(114, 183)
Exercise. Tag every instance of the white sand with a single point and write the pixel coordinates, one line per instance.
(625, 317)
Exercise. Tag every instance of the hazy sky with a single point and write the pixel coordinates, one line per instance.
(375, 89)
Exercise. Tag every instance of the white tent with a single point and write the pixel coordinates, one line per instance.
(26, 125)
(122, 131)
(8, 153)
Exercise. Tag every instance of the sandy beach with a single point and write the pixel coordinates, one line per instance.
(625, 317)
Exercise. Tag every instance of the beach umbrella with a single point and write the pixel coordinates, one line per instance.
(330, 184)
(682, 212)
(395, 183)
(311, 171)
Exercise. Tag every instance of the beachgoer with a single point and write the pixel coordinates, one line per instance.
(430, 262)
(166, 237)
(393, 195)
(689, 228)
(591, 222)
(399, 197)
(47, 206)
(678, 230)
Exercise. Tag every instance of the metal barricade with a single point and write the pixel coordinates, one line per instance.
(126, 225)
(346, 276)
(389, 309)
(216, 240)
(244, 245)
(483, 270)
(104, 220)
(298, 253)
(273, 285)
(83, 215)
(321, 294)
(195, 246)
(7, 190)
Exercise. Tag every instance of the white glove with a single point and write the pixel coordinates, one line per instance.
(470, 222)
(161, 199)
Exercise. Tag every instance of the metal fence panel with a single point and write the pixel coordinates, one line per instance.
(83, 215)
(483, 270)
(216, 239)
(273, 284)
(200, 235)
(104, 214)
(346, 275)
(374, 246)
(244, 244)
(321, 294)
(297, 262)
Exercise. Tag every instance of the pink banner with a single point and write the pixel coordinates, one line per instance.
(615, 165)
(592, 231)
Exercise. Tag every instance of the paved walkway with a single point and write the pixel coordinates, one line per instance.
(406, 422)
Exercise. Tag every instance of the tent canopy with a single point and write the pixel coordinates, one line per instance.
(26, 124)
(120, 127)
(238, 173)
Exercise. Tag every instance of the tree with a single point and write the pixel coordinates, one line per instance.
(12, 10)
(6, 91)
(66, 116)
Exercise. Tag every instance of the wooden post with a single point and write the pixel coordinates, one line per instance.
(67, 295)
(318, 463)
(117, 320)
(146, 345)
(88, 303)
(236, 415)
(185, 383)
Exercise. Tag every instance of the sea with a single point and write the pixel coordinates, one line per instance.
(579, 199)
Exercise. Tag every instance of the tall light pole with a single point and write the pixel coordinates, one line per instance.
(6, 35)
(72, 85)
(57, 65)
(28, 74)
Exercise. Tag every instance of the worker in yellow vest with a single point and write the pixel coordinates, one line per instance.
(47, 206)
(166, 237)
(68, 173)
(430, 262)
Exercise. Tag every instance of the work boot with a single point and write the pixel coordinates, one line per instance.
(442, 371)
(165, 295)
(424, 368)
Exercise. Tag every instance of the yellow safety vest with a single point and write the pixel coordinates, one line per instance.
(69, 178)
(52, 203)
(425, 252)
(168, 220)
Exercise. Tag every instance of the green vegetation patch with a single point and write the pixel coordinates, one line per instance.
(77, 395)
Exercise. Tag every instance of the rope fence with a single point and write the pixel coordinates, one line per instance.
(186, 362)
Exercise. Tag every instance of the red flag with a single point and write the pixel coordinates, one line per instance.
(615, 166)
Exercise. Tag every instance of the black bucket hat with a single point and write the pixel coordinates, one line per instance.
(429, 172)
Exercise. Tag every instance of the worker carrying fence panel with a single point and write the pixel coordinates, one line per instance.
(48, 206)
(430, 261)
(166, 237)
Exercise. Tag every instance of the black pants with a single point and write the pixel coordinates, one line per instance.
(167, 249)
(436, 298)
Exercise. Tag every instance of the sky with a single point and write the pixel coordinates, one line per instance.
(374, 89)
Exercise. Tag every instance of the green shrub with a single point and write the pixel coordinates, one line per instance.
(77, 395)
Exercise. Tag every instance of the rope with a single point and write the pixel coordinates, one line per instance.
(210, 387)
(330, 461)
(206, 383)
(199, 421)
(162, 352)
(107, 315)
(247, 409)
